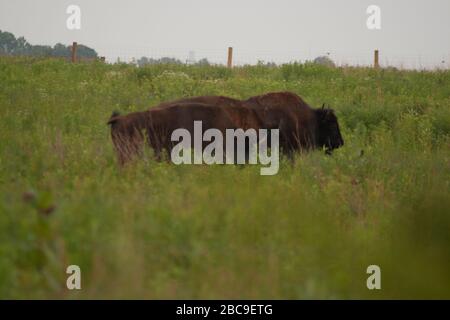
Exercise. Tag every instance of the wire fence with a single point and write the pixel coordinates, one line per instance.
(114, 54)
(251, 57)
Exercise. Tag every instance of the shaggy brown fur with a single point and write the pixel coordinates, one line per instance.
(301, 127)
(129, 132)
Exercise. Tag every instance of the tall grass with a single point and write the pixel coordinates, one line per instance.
(156, 230)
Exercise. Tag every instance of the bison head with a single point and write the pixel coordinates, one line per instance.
(329, 135)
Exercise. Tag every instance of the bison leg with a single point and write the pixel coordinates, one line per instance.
(154, 142)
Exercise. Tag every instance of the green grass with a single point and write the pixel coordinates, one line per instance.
(156, 230)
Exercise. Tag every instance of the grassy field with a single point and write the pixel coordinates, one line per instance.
(156, 230)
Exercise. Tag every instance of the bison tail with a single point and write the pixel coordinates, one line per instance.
(113, 117)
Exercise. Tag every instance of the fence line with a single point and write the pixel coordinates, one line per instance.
(231, 57)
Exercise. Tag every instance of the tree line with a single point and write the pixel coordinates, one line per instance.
(168, 60)
(12, 46)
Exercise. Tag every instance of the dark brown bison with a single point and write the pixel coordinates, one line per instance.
(301, 127)
(129, 132)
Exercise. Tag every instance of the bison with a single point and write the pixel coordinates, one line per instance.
(300, 126)
(129, 132)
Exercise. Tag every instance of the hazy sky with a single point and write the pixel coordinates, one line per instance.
(412, 31)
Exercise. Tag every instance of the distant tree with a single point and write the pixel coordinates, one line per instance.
(9, 45)
(22, 46)
(86, 52)
(203, 62)
(324, 61)
(60, 50)
(40, 51)
(266, 64)
(167, 60)
(164, 60)
(142, 61)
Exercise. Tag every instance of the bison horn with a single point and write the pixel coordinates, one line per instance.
(323, 106)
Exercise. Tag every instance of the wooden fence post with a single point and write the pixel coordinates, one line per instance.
(376, 63)
(230, 57)
(74, 52)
